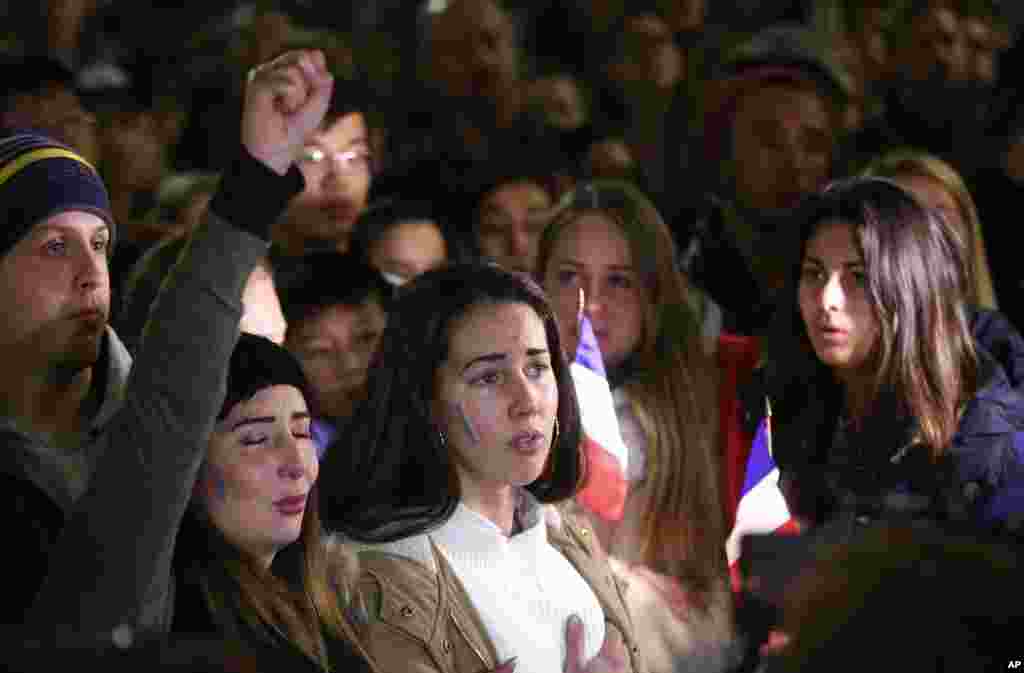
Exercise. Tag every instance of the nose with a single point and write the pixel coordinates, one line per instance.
(525, 396)
(293, 465)
(832, 294)
(593, 302)
(92, 272)
(519, 241)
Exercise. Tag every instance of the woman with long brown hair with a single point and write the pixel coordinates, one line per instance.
(608, 240)
(881, 399)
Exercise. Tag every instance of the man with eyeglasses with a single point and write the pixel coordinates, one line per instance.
(336, 163)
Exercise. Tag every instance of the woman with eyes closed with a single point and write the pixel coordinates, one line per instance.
(448, 475)
(608, 240)
(202, 514)
(882, 402)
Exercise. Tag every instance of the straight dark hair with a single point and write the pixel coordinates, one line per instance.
(389, 475)
(925, 356)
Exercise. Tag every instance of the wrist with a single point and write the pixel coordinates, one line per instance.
(253, 193)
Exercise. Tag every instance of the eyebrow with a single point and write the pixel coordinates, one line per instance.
(501, 357)
(258, 420)
(613, 267)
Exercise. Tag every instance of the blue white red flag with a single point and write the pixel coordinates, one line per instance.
(762, 507)
(604, 491)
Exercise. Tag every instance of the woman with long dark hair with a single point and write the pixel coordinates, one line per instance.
(448, 474)
(882, 402)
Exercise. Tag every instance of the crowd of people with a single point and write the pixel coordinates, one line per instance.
(292, 295)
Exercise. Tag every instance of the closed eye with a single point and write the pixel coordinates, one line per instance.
(253, 440)
(486, 379)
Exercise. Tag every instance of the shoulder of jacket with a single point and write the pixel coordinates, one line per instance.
(399, 584)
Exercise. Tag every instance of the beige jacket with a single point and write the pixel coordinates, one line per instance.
(412, 618)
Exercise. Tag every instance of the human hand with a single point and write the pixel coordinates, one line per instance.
(611, 658)
(285, 100)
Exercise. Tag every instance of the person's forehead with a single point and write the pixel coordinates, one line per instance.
(941, 19)
(781, 101)
(517, 192)
(342, 132)
(488, 327)
(78, 220)
(647, 27)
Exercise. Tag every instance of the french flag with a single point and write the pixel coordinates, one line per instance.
(762, 507)
(604, 491)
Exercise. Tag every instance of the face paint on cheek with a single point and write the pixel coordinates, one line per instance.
(467, 425)
(215, 485)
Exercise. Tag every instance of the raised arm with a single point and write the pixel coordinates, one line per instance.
(112, 564)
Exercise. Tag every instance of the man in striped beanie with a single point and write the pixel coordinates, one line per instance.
(64, 368)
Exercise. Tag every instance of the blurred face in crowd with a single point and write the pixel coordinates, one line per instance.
(834, 301)
(497, 397)
(592, 254)
(335, 347)
(561, 102)
(984, 42)
(474, 50)
(336, 166)
(937, 46)
(408, 249)
(260, 466)
(133, 150)
(649, 55)
(510, 221)
(55, 290)
(782, 146)
(261, 307)
(56, 110)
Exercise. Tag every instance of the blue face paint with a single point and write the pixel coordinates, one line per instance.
(467, 425)
(215, 483)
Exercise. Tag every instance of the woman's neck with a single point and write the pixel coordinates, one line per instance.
(497, 504)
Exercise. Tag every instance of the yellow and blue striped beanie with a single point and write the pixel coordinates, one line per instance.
(39, 178)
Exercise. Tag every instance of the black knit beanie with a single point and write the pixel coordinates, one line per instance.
(40, 178)
(258, 363)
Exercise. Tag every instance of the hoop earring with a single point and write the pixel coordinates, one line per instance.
(554, 435)
(443, 438)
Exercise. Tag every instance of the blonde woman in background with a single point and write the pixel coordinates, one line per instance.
(939, 186)
(608, 240)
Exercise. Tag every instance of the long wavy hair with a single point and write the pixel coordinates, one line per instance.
(302, 595)
(910, 163)
(673, 391)
(925, 356)
(391, 474)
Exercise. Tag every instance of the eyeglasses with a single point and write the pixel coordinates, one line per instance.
(348, 161)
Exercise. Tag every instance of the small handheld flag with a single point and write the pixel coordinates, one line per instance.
(604, 492)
